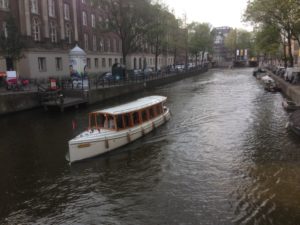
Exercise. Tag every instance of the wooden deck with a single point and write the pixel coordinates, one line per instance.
(67, 102)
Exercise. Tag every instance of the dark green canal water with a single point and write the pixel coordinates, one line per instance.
(225, 157)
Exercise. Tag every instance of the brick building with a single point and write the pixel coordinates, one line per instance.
(51, 28)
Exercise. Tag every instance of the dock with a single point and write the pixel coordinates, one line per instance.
(67, 102)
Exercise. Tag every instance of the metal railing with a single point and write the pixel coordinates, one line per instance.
(94, 82)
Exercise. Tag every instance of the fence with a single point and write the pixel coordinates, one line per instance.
(94, 82)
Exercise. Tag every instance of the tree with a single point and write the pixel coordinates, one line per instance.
(11, 45)
(267, 41)
(282, 13)
(201, 39)
(157, 34)
(128, 19)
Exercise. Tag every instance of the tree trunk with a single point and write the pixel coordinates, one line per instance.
(156, 54)
(202, 57)
(291, 57)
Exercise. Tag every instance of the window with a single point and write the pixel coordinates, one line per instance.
(94, 43)
(106, 23)
(51, 6)
(86, 41)
(53, 32)
(101, 44)
(93, 21)
(100, 21)
(88, 63)
(111, 45)
(84, 18)
(145, 115)
(42, 64)
(68, 34)
(58, 63)
(121, 60)
(116, 60)
(106, 45)
(4, 30)
(103, 62)
(36, 30)
(117, 45)
(67, 11)
(34, 6)
(109, 62)
(136, 119)
(4, 4)
(96, 62)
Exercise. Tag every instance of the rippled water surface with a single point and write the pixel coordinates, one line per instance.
(225, 157)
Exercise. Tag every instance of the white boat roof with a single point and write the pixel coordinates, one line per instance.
(134, 106)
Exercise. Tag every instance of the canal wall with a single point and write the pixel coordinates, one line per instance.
(289, 90)
(18, 101)
(98, 95)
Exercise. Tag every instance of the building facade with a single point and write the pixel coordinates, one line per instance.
(49, 29)
(222, 55)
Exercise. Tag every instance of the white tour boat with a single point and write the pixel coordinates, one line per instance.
(117, 126)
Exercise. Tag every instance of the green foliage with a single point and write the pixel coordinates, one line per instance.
(201, 37)
(285, 14)
(268, 40)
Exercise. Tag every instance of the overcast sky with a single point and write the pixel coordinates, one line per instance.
(216, 12)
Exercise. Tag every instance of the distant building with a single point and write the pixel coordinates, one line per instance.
(51, 28)
(221, 55)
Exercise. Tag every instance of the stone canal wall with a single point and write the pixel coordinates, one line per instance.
(18, 101)
(289, 90)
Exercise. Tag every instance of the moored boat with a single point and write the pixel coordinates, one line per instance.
(294, 122)
(289, 105)
(117, 126)
(269, 84)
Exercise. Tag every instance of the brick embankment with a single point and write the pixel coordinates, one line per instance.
(292, 91)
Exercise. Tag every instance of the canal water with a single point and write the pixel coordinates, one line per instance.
(225, 157)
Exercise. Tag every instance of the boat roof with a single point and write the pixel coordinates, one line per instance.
(134, 106)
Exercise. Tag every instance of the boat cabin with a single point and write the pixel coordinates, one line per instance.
(128, 115)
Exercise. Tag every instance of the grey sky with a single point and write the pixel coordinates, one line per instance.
(215, 12)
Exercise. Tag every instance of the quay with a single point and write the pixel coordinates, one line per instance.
(15, 101)
(292, 91)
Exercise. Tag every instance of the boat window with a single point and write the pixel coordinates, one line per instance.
(151, 112)
(100, 120)
(109, 122)
(127, 120)
(120, 124)
(159, 109)
(135, 116)
(144, 115)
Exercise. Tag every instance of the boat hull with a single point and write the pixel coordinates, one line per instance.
(83, 149)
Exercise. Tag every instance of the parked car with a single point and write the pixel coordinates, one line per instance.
(292, 74)
(148, 71)
(135, 73)
(179, 68)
